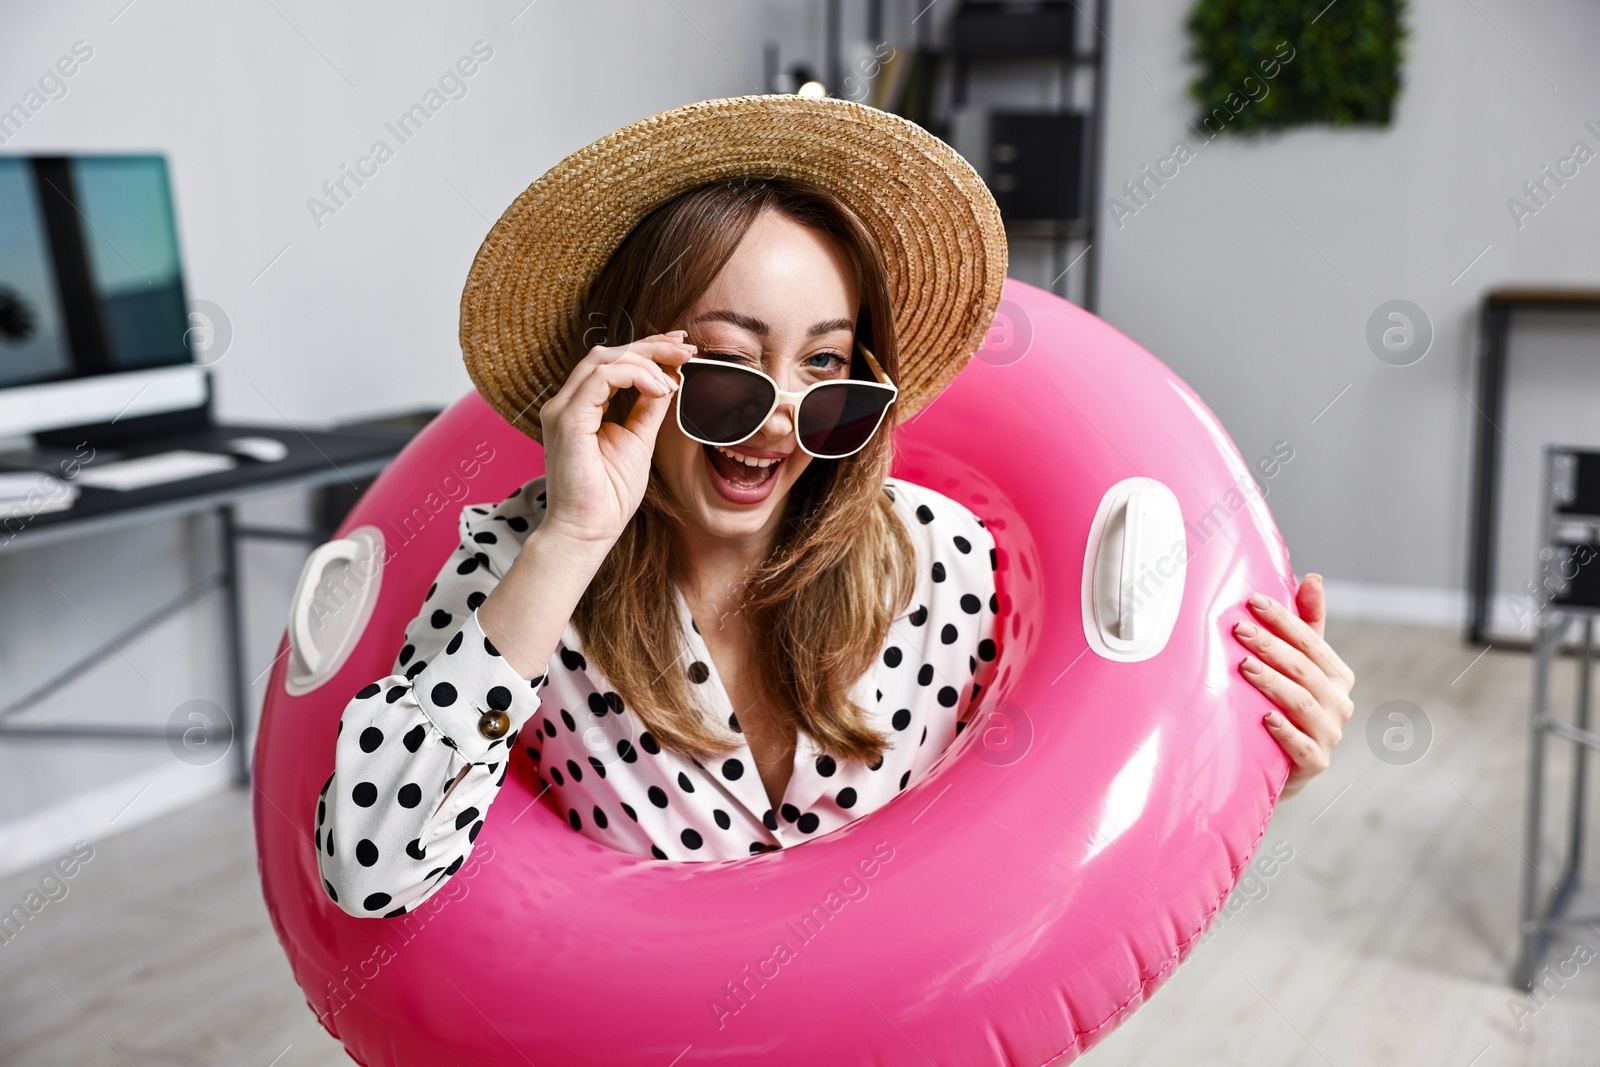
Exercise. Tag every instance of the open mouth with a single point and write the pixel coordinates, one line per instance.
(739, 478)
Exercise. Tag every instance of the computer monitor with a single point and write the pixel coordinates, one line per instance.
(93, 321)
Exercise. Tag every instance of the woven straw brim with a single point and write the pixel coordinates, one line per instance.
(934, 221)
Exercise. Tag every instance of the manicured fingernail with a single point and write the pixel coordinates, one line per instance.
(678, 333)
(1244, 629)
(1258, 600)
(1272, 718)
(1251, 665)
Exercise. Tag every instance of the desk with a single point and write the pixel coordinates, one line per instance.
(315, 459)
(1498, 305)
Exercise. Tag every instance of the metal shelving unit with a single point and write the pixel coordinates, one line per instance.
(979, 35)
(982, 34)
(1569, 575)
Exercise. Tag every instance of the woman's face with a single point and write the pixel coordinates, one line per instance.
(784, 303)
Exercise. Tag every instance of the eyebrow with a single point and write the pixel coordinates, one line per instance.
(756, 326)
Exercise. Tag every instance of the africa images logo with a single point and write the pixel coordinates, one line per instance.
(451, 85)
(797, 934)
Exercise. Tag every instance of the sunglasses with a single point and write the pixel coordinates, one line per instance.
(721, 403)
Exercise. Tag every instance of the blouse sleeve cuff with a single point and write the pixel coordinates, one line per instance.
(466, 680)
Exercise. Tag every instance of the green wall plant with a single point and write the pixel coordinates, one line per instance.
(1267, 64)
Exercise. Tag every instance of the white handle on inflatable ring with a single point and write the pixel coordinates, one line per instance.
(1133, 511)
(1133, 570)
(305, 646)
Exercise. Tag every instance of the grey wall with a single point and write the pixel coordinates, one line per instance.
(1253, 273)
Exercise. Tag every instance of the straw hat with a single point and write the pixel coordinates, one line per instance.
(931, 215)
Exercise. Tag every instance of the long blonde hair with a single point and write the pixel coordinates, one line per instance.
(819, 606)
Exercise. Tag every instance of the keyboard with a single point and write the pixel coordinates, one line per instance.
(174, 466)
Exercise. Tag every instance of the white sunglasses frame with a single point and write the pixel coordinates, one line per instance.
(783, 396)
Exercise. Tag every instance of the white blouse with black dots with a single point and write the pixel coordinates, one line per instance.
(414, 777)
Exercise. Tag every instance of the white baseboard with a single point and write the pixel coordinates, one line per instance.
(1419, 605)
(44, 835)
(1509, 618)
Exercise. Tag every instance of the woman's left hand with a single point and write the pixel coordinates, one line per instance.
(1302, 675)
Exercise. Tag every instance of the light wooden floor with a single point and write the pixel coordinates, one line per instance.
(1385, 940)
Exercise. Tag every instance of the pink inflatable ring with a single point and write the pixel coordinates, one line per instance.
(1011, 907)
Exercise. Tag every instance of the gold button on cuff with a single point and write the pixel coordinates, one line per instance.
(494, 724)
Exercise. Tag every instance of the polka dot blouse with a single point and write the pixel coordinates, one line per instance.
(414, 778)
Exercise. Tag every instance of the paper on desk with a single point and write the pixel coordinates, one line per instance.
(170, 466)
(24, 493)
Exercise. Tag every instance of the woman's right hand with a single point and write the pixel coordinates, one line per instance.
(596, 471)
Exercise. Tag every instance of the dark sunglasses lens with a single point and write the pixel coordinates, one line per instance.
(722, 404)
(836, 420)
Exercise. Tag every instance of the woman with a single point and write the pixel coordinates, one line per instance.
(716, 624)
